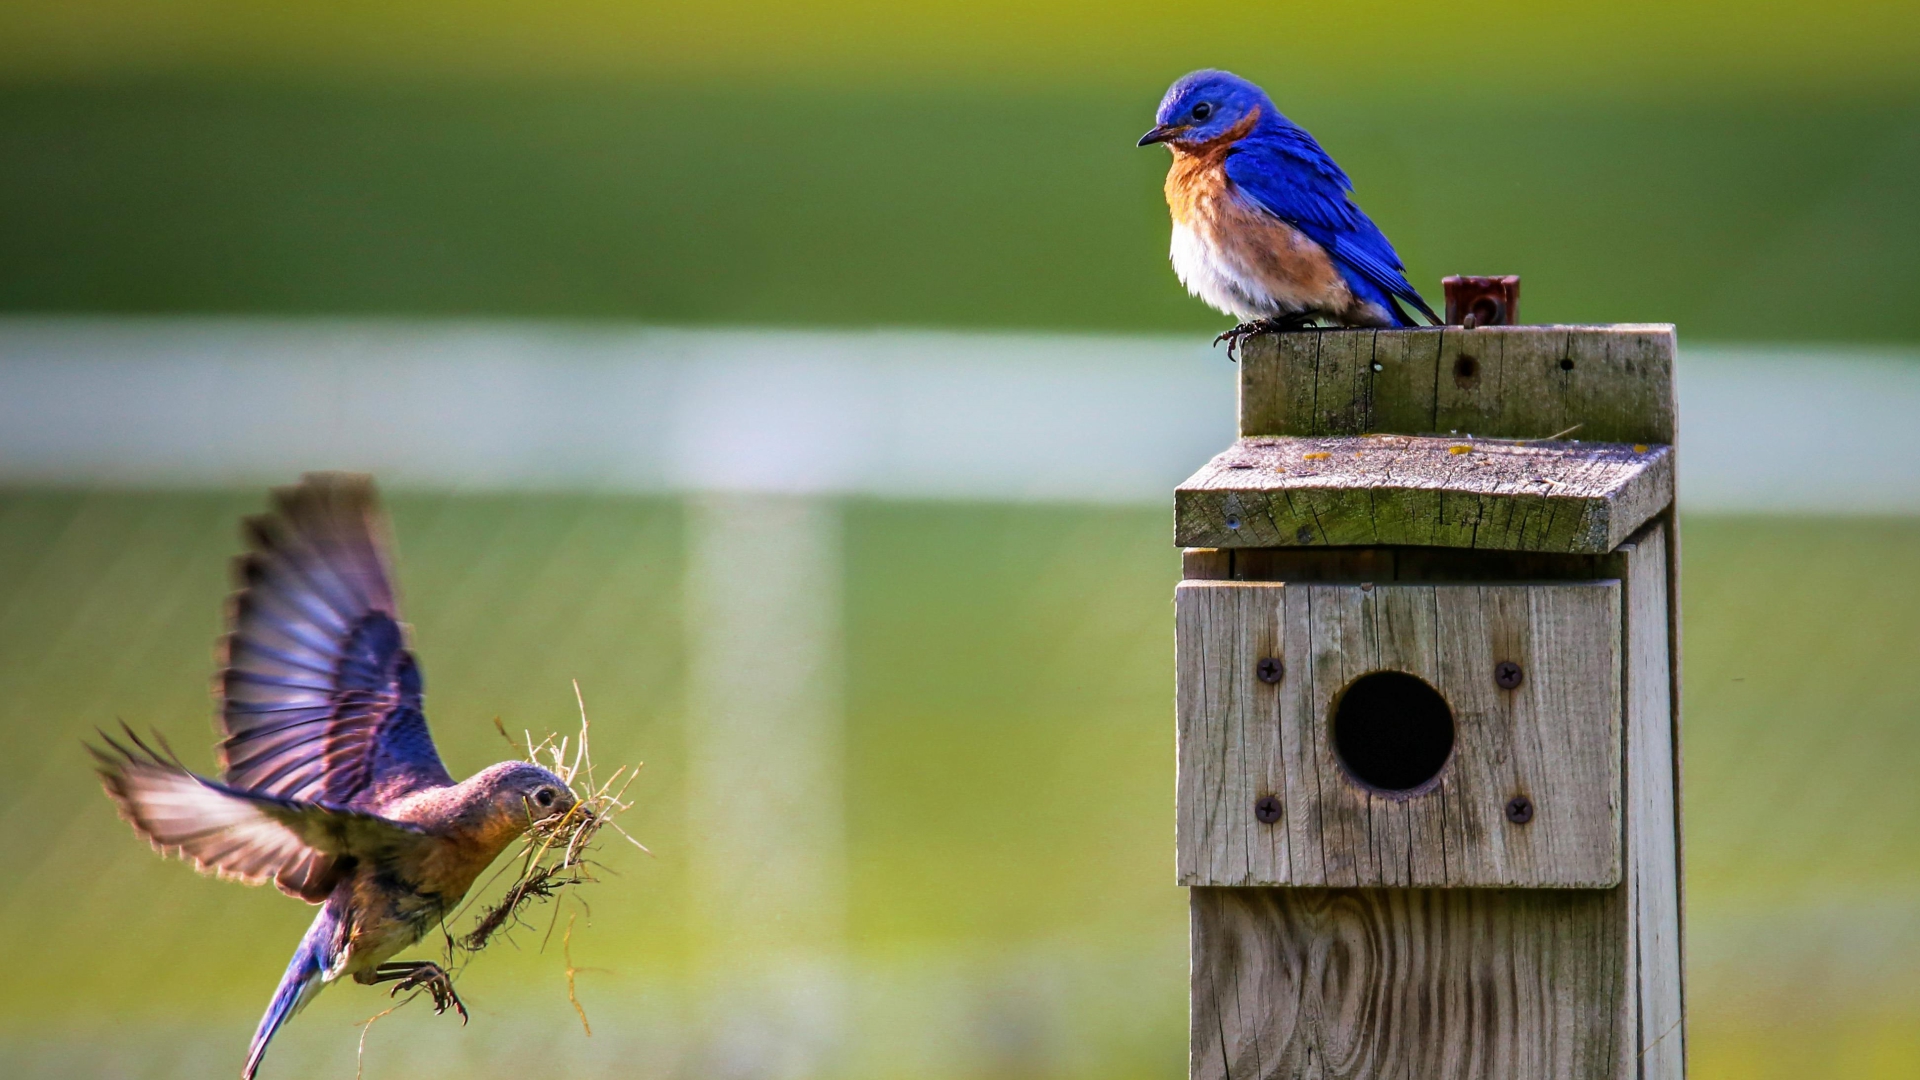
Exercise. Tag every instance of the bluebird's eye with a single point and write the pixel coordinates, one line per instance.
(1202, 111)
(544, 796)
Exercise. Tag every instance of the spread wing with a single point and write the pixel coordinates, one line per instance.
(1284, 170)
(319, 697)
(300, 846)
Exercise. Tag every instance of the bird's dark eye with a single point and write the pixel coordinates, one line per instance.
(1202, 111)
(544, 796)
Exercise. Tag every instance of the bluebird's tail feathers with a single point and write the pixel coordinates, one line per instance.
(1413, 297)
(1389, 296)
(305, 978)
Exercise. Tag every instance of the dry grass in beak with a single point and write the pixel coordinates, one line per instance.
(556, 854)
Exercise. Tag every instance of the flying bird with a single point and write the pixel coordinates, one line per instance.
(330, 786)
(1264, 224)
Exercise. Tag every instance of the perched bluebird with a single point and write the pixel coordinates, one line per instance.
(1264, 224)
(330, 784)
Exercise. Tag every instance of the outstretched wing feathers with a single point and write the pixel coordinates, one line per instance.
(300, 846)
(334, 525)
(320, 699)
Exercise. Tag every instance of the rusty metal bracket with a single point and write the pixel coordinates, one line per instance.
(1482, 301)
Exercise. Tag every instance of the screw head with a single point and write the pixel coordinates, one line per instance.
(1507, 674)
(1267, 809)
(1270, 670)
(1519, 809)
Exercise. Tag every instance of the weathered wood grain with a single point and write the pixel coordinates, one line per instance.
(1206, 564)
(1676, 649)
(1652, 825)
(1229, 740)
(1555, 738)
(1355, 551)
(1520, 382)
(1437, 492)
(1433, 984)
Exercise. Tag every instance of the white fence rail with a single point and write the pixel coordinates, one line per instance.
(203, 402)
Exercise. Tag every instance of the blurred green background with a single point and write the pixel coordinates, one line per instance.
(1008, 777)
(1743, 170)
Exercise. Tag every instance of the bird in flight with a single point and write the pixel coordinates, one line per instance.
(1264, 224)
(330, 786)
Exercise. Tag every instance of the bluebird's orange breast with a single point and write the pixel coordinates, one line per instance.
(1197, 182)
(1230, 252)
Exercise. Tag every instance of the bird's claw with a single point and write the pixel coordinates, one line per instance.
(435, 981)
(1245, 330)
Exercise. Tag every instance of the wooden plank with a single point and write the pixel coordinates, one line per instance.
(1206, 564)
(1305, 781)
(1469, 383)
(1339, 646)
(1277, 383)
(1555, 738)
(1449, 984)
(1518, 382)
(1367, 837)
(1652, 825)
(1343, 382)
(1405, 490)
(1228, 743)
(1670, 524)
(1404, 382)
(1617, 383)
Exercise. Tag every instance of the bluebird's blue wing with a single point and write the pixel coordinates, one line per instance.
(244, 835)
(320, 698)
(1283, 170)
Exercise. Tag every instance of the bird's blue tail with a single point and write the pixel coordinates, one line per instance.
(305, 977)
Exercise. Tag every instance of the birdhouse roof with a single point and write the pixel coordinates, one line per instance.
(1447, 491)
(1507, 438)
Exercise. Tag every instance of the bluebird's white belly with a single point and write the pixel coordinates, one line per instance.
(1213, 275)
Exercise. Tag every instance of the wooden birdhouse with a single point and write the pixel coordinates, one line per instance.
(1428, 710)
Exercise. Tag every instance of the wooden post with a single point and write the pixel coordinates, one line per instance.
(1428, 712)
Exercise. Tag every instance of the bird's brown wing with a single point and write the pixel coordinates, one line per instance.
(302, 847)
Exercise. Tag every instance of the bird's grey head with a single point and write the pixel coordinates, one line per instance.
(1204, 106)
(523, 791)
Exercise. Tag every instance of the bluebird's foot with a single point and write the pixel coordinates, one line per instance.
(1283, 324)
(415, 975)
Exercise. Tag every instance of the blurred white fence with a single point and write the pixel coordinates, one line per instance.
(202, 402)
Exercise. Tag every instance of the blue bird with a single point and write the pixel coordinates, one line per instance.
(330, 784)
(1264, 224)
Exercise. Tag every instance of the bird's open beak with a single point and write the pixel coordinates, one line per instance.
(1161, 133)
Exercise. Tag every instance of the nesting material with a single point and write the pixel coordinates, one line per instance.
(557, 854)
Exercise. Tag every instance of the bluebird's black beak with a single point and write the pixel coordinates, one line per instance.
(1161, 133)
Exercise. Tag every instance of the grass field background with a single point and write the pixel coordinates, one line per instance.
(1011, 910)
(1762, 216)
(1743, 170)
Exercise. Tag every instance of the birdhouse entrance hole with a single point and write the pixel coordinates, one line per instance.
(1392, 731)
